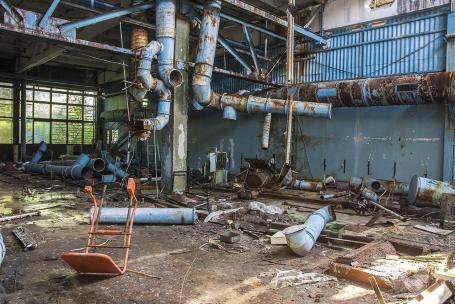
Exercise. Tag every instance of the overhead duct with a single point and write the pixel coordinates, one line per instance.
(414, 89)
(203, 94)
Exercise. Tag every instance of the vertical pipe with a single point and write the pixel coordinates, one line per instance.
(206, 49)
(290, 78)
(266, 131)
(165, 34)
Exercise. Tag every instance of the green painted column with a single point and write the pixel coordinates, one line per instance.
(174, 140)
(449, 132)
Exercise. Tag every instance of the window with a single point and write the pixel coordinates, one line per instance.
(6, 113)
(58, 115)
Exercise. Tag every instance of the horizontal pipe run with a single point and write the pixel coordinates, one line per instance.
(301, 239)
(413, 89)
(157, 216)
(66, 27)
(255, 104)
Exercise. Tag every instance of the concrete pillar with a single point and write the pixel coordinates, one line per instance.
(174, 136)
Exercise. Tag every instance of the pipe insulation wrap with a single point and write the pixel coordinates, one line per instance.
(301, 239)
(163, 216)
(266, 131)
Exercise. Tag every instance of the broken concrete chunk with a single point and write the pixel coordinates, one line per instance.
(261, 207)
(295, 277)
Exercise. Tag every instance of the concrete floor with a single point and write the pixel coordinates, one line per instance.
(188, 273)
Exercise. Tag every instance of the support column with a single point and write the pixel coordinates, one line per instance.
(174, 136)
(449, 127)
(23, 121)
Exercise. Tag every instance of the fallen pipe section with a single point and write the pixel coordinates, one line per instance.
(163, 48)
(426, 192)
(413, 89)
(301, 239)
(2, 249)
(230, 104)
(39, 153)
(157, 216)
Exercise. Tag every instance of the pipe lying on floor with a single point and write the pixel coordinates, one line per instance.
(159, 216)
(97, 165)
(78, 170)
(203, 94)
(426, 192)
(2, 249)
(301, 239)
(39, 153)
(373, 199)
(305, 185)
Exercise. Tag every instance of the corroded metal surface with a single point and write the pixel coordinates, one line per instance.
(428, 192)
(414, 89)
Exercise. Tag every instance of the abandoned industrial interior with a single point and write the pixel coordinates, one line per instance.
(227, 151)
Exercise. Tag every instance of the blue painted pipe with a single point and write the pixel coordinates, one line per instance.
(39, 154)
(165, 34)
(108, 178)
(160, 216)
(119, 173)
(35, 168)
(2, 249)
(205, 58)
(255, 104)
(301, 239)
(97, 165)
(78, 170)
(144, 77)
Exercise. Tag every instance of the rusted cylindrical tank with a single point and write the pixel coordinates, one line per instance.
(427, 192)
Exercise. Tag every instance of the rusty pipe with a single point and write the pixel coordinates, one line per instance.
(255, 104)
(165, 34)
(206, 49)
(413, 89)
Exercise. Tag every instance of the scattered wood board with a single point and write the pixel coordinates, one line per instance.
(433, 229)
(437, 293)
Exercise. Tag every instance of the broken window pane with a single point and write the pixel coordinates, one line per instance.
(41, 131)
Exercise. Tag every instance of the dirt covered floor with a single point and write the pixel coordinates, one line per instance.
(170, 264)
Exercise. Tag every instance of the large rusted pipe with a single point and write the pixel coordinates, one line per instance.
(428, 192)
(205, 58)
(256, 104)
(414, 89)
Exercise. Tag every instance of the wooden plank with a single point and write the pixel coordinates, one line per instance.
(445, 276)
(433, 229)
(377, 291)
(437, 293)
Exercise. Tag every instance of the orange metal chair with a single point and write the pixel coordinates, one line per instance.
(93, 263)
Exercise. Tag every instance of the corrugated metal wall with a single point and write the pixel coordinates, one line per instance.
(404, 44)
(401, 45)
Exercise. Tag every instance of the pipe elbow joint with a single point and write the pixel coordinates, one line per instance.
(171, 76)
(202, 94)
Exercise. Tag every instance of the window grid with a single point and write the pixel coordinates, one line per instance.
(60, 116)
(6, 113)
